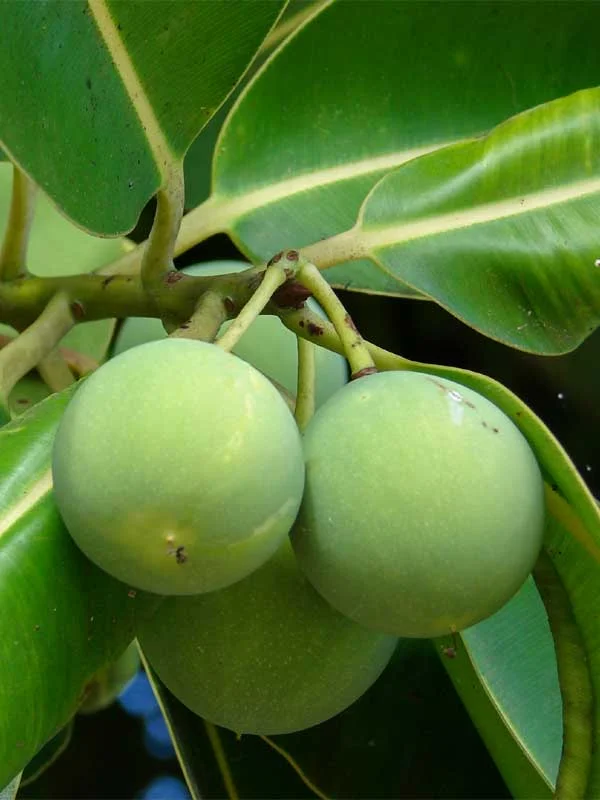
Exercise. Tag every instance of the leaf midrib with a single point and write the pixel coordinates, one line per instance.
(34, 494)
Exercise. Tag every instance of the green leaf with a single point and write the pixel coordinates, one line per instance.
(49, 753)
(353, 94)
(396, 737)
(57, 247)
(504, 670)
(198, 159)
(102, 98)
(62, 618)
(10, 792)
(501, 231)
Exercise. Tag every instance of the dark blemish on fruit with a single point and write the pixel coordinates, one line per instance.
(362, 373)
(173, 277)
(496, 430)
(77, 309)
(108, 280)
(229, 305)
(276, 259)
(301, 323)
(292, 255)
(314, 329)
(180, 555)
(438, 384)
(131, 593)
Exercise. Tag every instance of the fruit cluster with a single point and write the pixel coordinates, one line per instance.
(410, 506)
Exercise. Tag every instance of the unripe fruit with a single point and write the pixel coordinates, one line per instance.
(268, 345)
(423, 509)
(178, 467)
(265, 656)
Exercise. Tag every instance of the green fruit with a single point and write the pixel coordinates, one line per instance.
(178, 467)
(265, 656)
(423, 509)
(267, 345)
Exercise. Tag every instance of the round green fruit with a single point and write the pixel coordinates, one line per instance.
(267, 344)
(265, 656)
(423, 509)
(178, 467)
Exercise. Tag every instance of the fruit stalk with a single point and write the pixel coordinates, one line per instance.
(36, 342)
(355, 349)
(275, 275)
(208, 316)
(305, 401)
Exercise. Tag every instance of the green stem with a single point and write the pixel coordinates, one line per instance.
(355, 348)
(55, 372)
(157, 259)
(99, 297)
(31, 346)
(575, 684)
(305, 401)
(14, 248)
(221, 759)
(274, 276)
(296, 767)
(205, 322)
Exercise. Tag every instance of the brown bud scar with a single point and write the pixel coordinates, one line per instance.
(173, 276)
(275, 259)
(292, 255)
(314, 330)
(362, 373)
(77, 309)
(291, 294)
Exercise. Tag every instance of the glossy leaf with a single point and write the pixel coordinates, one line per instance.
(57, 247)
(511, 658)
(337, 106)
(198, 159)
(100, 99)
(501, 231)
(49, 753)
(396, 737)
(10, 792)
(50, 595)
(504, 670)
